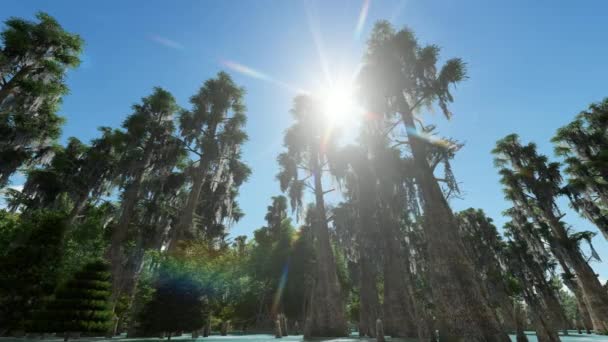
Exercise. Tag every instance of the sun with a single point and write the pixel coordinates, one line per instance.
(338, 103)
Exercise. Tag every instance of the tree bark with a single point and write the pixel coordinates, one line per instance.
(461, 309)
(325, 314)
(595, 296)
(121, 229)
(368, 298)
(574, 287)
(81, 202)
(398, 307)
(11, 85)
(519, 323)
(369, 305)
(187, 217)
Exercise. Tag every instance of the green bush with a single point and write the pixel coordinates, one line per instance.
(82, 304)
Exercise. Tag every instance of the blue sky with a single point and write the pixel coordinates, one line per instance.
(532, 67)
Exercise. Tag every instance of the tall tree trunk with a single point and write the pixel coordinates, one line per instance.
(325, 314)
(596, 297)
(81, 202)
(120, 230)
(369, 305)
(398, 307)
(461, 309)
(187, 216)
(368, 297)
(545, 331)
(581, 306)
(519, 319)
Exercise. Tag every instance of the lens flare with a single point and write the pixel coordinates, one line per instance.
(280, 288)
(362, 18)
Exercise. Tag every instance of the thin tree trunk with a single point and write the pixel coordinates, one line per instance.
(368, 301)
(325, 315)
(519, 323)
(121, 229)
(187, 216)
(461, 309)
(545, 331)
(81, 202)
(369, 305)
(574, 287)
(11, 85)
(398, 306)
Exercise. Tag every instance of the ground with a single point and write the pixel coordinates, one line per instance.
(574, 337)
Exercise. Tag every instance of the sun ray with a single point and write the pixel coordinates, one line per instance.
(247, 71)
(314, 27)
(362, 18)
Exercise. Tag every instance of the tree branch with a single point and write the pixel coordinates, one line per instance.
(328, 191)
(309, 186)
(388, 131)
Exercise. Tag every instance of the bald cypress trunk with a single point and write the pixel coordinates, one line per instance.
(325, 314)
(398, 306)
(519, 318)
(593, 293)
(596, 298)
(545, 331)
(367, 235)
(79, 206)
(585, 319)
(186, 219)
(121, 229)
(369, 305)
(461, 309)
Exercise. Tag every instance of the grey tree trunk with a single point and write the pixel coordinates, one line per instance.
(380, 330)
(284, 325)
(595, 296)
(187, 216)
(81, 202)
(325, 314)
(544, 333)
(461, 309)
(519, 323)
(121, 229)
(369, 305)
(399, 311)
(278, 333)
(368, 298)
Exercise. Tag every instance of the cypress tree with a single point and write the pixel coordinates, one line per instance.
(81, 305)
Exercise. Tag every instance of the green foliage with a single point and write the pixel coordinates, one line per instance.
(82, 304)
(86, 241)
(34, 58)
(568, 301)
(29, 267)
(9, 230)
(583, 144)
(176, 305)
